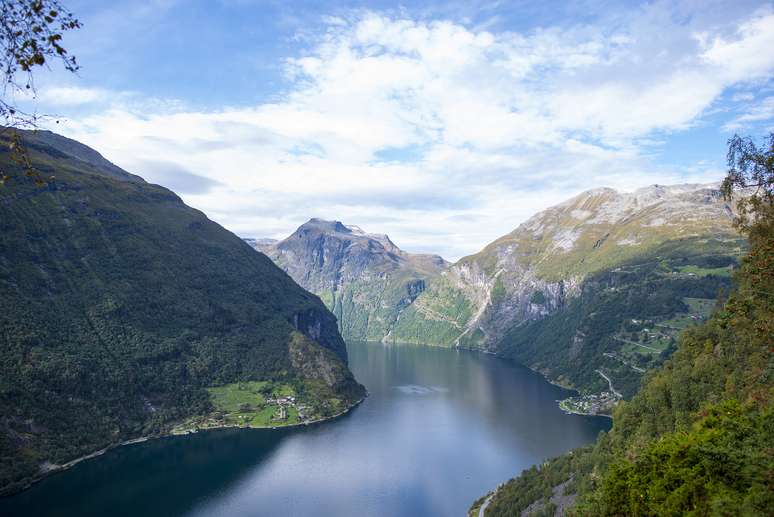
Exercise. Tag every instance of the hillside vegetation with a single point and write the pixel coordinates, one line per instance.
(623, 322)
(120, 306)
(698, 438)
(592, 292)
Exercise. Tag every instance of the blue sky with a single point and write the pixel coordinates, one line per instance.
(443, 124)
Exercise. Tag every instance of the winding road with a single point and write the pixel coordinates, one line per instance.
(486, 503)
(609, 382)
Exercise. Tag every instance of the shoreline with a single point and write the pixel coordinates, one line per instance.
(272, 427)
(545, 377)
(49, 469)
(542, 374)
(571, 412)
(485, 352)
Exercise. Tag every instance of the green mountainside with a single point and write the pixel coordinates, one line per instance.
(624, 321)
(590, 292)
(363, 278)
(123, 311)
(535, 270)
(697, 439)
(592, 289)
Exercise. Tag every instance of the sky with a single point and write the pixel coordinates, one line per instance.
(443, 124)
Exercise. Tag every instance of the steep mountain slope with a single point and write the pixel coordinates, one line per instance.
(120, 306)
(595, 287)
(534, 270)
(698, 438)
(591, 292)
(363, 278)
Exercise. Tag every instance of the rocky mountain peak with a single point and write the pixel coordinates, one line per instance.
(353, 271)
(554, 251)
(607, 206)
(322, 225)
(350, 234)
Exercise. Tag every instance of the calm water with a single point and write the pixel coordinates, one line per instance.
(439, 429)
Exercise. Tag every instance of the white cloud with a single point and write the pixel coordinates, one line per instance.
(757, 113)
(496, 125)
(72, 95)
(748, 54)
(742, 96)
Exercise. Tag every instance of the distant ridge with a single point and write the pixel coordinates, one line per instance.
(364, 278)
(528, 294)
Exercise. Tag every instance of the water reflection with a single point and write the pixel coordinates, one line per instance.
(439, 428)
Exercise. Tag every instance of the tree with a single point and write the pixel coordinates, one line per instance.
(30, 37)
(751, 171)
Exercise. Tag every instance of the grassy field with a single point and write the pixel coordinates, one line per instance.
(649, 344)
(231, 396)
(645, 347)
(699, 310)
(702, 306)
(247, 403)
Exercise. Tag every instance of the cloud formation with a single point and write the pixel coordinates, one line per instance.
(443, 135)
(762, 111)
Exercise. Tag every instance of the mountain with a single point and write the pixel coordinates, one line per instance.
(600, 283)
(261, 244)
(698, 438)
(126, 313)
(363, 278)
(591, 292)
(537, 268)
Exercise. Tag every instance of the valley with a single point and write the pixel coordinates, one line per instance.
(256, 352)
(394, 454)
(603, 282)
(202, 313)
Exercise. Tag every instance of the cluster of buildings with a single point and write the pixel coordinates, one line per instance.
(594, 404)
(287, 402)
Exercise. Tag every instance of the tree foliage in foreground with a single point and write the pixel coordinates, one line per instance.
(722, 466)
(698, 438)
(31, 37)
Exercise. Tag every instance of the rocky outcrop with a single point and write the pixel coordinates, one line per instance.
(533, 271)
(320, 326)
(316, 363)
(364, 278)
(379, 292)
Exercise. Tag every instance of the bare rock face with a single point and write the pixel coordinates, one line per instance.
(533, 271)
(364, 278)
(262, 245)
(379, 292)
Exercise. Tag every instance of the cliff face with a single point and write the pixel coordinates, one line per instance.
(601, 282)
(365, 279)
(318, 325)
(534, 271)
